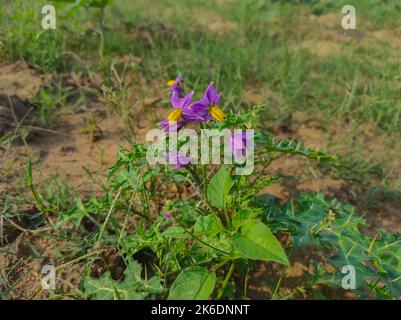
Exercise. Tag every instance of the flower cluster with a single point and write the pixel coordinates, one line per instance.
(203, 110)
(185, 111)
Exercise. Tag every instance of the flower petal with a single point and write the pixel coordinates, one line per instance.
(186, 101)
(175, 99)
(171, 126)
(212, 95)
(191, 116)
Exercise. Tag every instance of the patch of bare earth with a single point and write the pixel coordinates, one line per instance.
(18, 83)
(389, 37)
(214, 22)
(321, 35)
(21, 273)
(89, 139)
(20, 80)
(324, 36)
(207, 19)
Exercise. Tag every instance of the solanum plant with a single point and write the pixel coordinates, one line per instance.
(216, 228)
(201, 225)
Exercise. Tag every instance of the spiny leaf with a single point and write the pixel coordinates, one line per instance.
(313, 220)
(293, 147)
(133, 287)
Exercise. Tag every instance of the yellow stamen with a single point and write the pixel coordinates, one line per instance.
(217, 113)
(171, 83)
(175, 115)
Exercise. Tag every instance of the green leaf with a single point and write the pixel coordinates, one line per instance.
(176, 232)
(133, 287)
(243, 215)
(219, 188)
(193, 283)
(258, 243)
(209, 225)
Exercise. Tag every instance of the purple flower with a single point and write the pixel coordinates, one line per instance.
(175, 86)
(239, 142)
(181, 113)
(168, 215)
(167, 126)
(207, 107)
(178, 158)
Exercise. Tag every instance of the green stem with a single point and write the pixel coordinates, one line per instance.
(36, 196)
(246, 282)
(108, 216)
(201, 184)
(146, 202)
(204, 176)
(228, 221)
(276, 289)
(226, 279)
